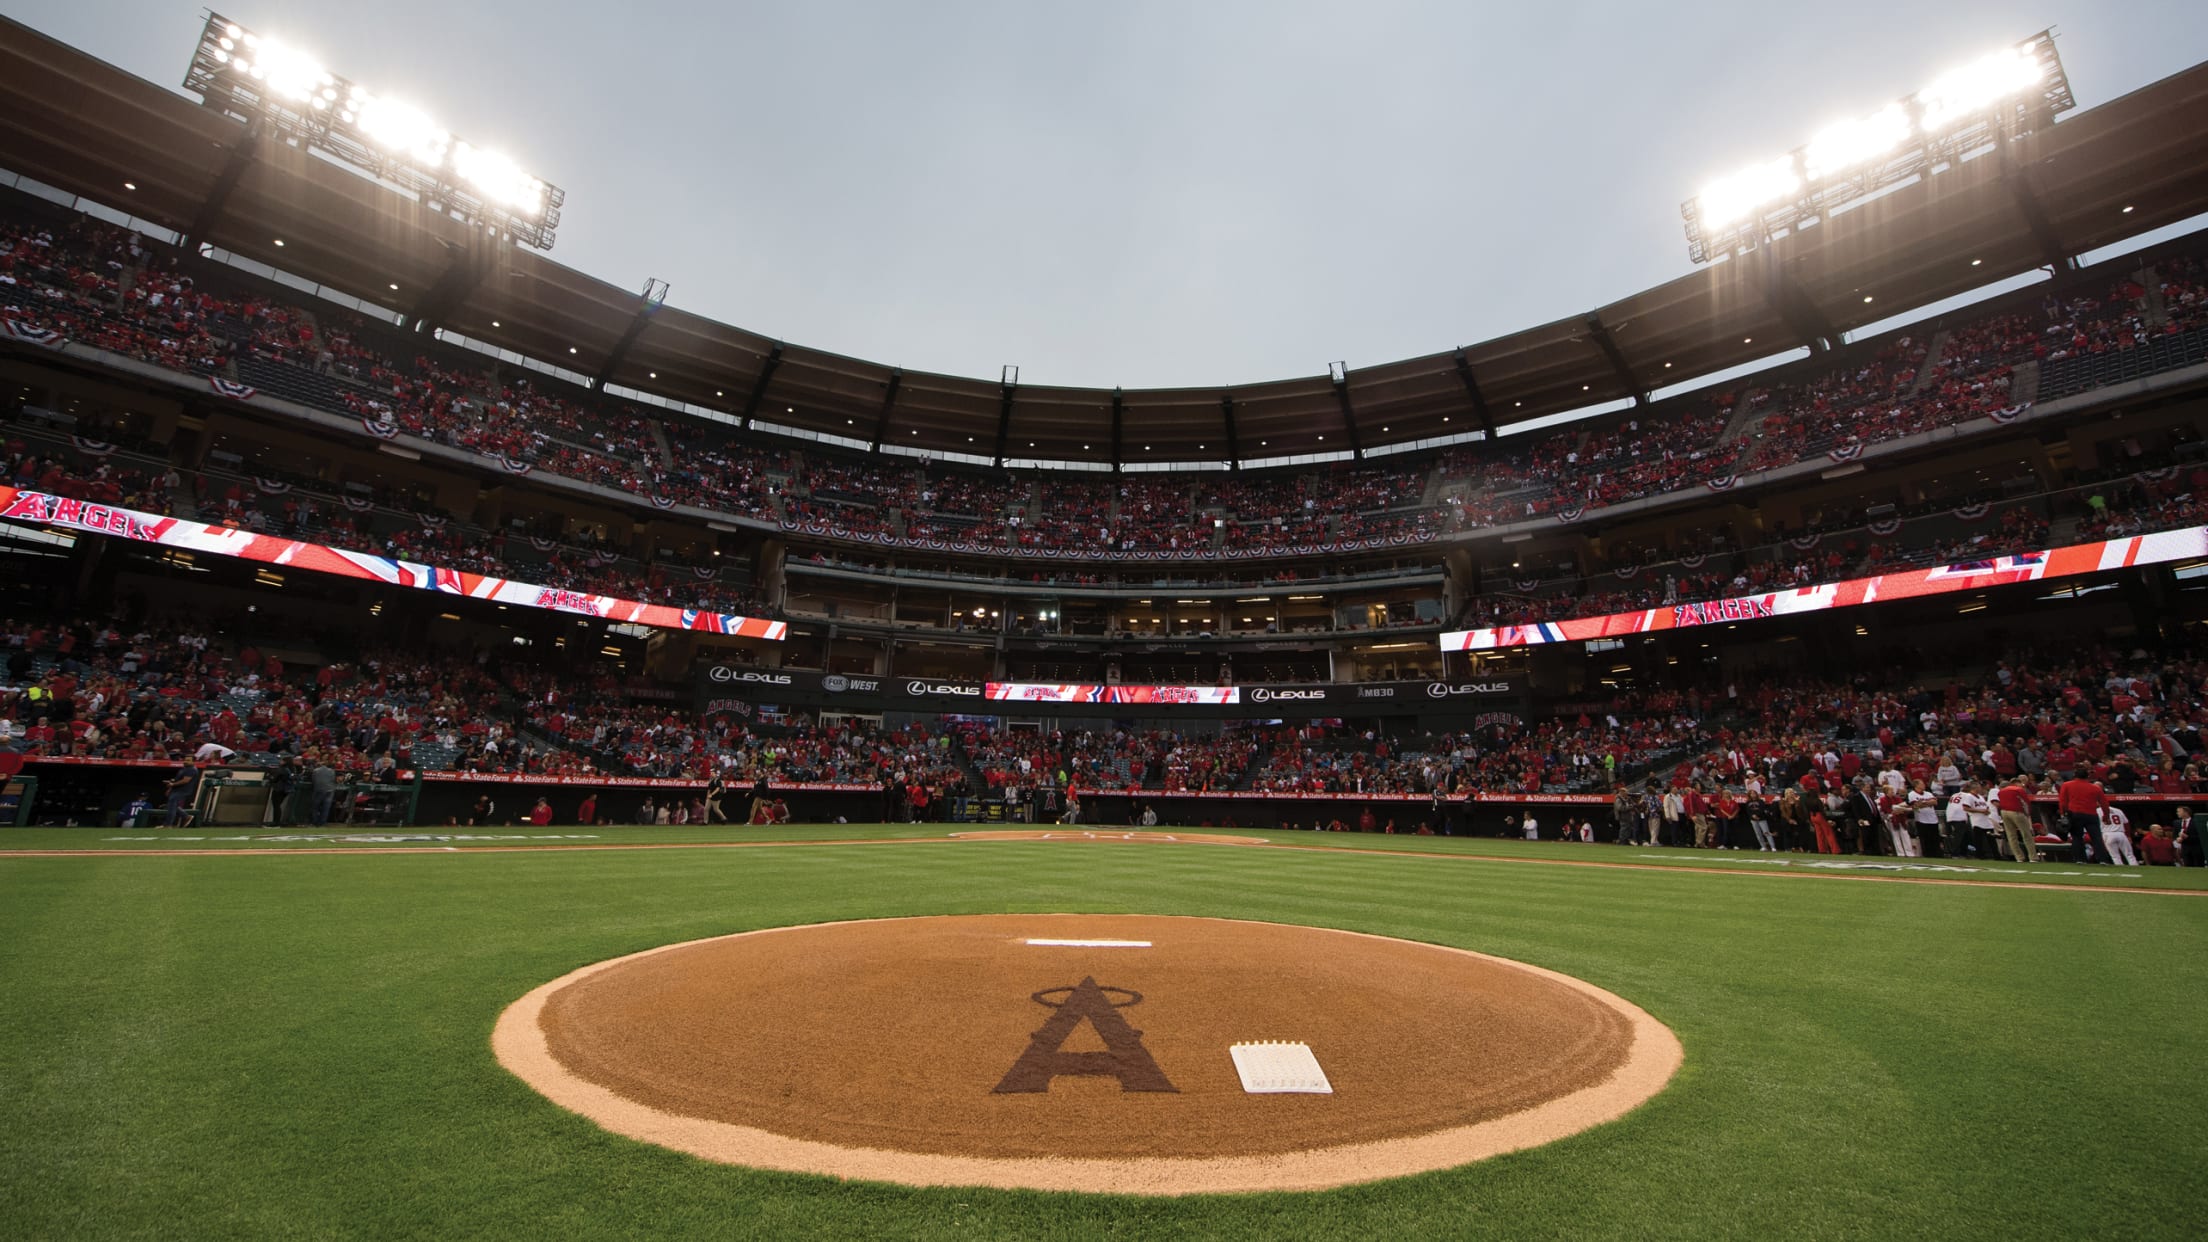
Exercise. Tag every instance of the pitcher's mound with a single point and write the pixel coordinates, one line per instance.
(1084, 1052)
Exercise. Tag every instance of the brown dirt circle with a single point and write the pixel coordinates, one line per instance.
(878, 1050)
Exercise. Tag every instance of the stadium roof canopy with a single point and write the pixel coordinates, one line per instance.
(85, 127)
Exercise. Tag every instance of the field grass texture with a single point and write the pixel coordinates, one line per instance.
(296, 1046)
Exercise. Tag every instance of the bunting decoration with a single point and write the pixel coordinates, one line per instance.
(32, 334)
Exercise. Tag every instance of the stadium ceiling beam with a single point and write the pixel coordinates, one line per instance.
(1349, 410)
(1784, 295)
(759, 387)
(1234, 439)
(889, 406)
(217, 201)
(1119, 423)
(1471, 384)
(2051, 249)
(1599, 332)
(1011, 382)
(648, 304)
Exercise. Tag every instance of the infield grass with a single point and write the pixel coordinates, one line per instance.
(296, 1046)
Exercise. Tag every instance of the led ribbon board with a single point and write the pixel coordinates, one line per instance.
(2064, 562)
(1038, 692)
(199, 537)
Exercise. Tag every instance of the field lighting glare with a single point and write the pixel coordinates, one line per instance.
(258, 79)
(402, 129)
(500, 180)
(1851, 144)
(1737, 197)
(1962, 115)
(1977, 86)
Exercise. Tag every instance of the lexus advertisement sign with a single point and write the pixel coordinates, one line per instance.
(735, 688)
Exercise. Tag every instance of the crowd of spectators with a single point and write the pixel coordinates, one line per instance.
(108, 287)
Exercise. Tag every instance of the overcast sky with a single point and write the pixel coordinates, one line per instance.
(1135, 193)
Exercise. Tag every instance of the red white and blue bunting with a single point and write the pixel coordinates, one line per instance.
(381, 428)
(90, 447)
(231, 388)
(32, 334)
(2009, 413)
(1973, 513)
(1846, 452)
(1886, 528)
(273, 487)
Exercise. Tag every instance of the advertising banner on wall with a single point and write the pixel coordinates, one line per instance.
(200, 537)
(2082, 558)
(726, 687)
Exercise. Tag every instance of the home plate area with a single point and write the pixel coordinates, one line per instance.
(1132, 1053)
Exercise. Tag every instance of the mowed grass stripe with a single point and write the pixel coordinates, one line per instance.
(268, 1050)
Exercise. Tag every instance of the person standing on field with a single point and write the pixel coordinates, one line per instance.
(2016, 819)
(2116, 836)
(323, 781)
(714, 789)
(2081, 802)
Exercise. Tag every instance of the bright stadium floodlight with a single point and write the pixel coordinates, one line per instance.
(1737, 197)
(1961, 93)
(500, 179)
(402, 129)
(1962, 114)
(251, 76)
(1852, 144)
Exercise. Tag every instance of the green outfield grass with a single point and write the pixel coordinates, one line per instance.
(297, 1047)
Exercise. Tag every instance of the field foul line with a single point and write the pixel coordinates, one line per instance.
(1106, 840)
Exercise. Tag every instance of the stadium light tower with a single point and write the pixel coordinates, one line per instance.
(1963, 114)
(257, 78)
